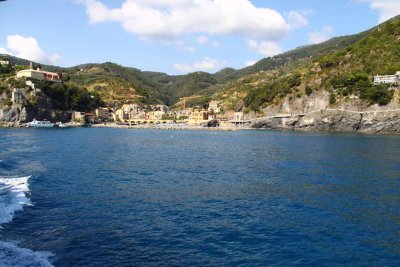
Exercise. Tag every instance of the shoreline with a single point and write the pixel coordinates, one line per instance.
(224, 129)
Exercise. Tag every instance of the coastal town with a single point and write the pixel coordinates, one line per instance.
(29, 86)
(129, 114)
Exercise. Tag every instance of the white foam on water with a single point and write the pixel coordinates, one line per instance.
(13, 197)
(12, 255)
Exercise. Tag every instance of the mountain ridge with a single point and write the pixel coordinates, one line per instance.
(116, 83)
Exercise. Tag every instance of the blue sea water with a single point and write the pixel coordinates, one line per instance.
(118, 197)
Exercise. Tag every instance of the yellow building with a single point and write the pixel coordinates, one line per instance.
(119, 115)
(198, 116)
(102, 113)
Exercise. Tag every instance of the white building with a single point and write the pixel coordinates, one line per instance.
(38, 75)
(130, 111)
(387, 79)
(78, 116)
(4, 62)
(214, 107)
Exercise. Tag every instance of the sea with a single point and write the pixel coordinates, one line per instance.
(142, 197)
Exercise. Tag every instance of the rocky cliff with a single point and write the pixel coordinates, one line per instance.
(15, 115)
(314, 113)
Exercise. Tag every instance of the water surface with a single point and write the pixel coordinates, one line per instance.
(182, 198)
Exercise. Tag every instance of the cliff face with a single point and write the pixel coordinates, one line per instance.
(336, 121)
(11, 116)
(23, 111)
(315, 114)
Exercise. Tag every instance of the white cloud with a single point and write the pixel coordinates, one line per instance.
(249, 63)
(190, 49)
(387, 8)
(207, 64)
(163, 20)
(202, 40)
(4, 51)
(297, 19)
(27, 48)
(216, 44)
(265, 48)
(323, 35)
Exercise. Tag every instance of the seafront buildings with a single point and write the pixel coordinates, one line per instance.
(128, 113)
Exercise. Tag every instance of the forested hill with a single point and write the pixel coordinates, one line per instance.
(370, 52)
(344, 71)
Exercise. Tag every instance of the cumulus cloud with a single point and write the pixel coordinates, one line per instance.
(207, 64)
(162, 19)
(265, 48)
(320, 36)
(387, 8)
(28, 48)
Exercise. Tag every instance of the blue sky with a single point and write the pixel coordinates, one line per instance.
(177, 36)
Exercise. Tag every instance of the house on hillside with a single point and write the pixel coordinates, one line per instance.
(387, 79)
(4, 62)
(39, 74)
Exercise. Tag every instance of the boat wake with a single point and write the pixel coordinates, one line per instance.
(13, 197)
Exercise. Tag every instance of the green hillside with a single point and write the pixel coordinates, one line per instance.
(342, 65)
(346, 69)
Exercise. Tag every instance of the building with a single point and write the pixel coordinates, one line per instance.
(387, 79)
(17, 96)
(214, 107)
(102, 113)
(4, 62)
(78, 116)
(38, 74)
(119, 115)
(129, 111)
(198, 116)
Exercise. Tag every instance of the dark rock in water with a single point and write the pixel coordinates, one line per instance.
(212, 123)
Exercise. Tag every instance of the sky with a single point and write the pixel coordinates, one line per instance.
(178, 36)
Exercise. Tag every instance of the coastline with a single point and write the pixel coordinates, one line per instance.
(227, 129)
